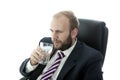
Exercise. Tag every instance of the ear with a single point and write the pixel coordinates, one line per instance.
(74, 33)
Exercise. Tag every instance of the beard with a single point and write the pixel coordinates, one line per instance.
(65, 44)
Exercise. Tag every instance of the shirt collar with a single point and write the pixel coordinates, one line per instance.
(69, 50)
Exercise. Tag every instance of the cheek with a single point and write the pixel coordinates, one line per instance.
(64, 37)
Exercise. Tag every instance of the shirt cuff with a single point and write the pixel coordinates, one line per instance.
(29, 67)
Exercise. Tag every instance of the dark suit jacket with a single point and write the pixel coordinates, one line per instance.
(84, 63)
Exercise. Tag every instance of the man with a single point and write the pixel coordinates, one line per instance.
(80, 62)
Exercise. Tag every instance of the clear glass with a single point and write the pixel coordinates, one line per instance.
(46, 50)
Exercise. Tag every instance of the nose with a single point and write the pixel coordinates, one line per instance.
(54, 35)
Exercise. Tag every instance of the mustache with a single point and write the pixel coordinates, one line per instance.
(55, 40)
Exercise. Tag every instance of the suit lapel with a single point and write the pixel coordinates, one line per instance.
(70, 62)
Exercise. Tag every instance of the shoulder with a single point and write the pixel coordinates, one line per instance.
(87, 52)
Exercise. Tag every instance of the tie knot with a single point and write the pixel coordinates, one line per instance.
(61, 54)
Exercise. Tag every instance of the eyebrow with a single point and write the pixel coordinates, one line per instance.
(56, 30)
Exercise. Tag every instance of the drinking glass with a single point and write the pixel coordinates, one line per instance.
(46, 51)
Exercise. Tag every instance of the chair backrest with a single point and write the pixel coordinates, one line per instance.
(94, 33)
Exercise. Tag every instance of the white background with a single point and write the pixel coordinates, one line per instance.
(24, 22)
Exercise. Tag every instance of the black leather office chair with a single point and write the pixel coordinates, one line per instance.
(93, 33)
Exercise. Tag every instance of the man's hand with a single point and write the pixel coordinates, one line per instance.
(36, 56)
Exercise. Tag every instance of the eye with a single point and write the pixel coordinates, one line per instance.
(58, 31)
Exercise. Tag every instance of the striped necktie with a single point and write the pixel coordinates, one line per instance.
(48, 74)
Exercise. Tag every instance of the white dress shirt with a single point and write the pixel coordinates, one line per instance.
(67, 52)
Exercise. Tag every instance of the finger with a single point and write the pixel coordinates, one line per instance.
(33, 60)
(38, 54)
(38, 48)
(35, 57)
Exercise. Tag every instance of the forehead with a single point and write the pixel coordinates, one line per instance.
(60, 22)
